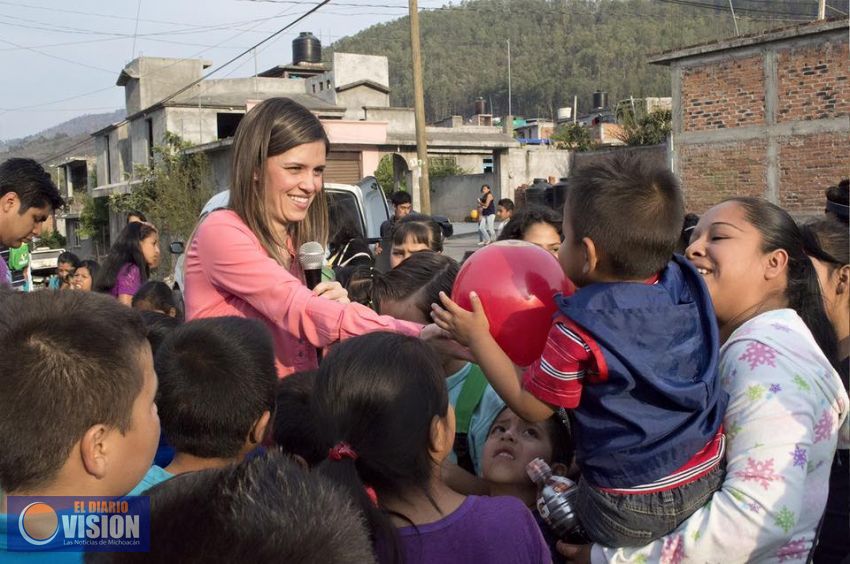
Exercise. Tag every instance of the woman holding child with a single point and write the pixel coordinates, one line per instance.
(787, 405)
(242, 261)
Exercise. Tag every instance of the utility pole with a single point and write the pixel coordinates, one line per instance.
(821, 9)
(510, 109)
(419, 111)
(734, 19)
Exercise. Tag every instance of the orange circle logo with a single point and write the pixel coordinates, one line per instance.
(38, 523)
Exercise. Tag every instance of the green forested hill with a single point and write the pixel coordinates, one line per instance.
(560, 48)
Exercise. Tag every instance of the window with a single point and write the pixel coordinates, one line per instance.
(108, 163)
(149, 125)
(488, 164)
(227, 123)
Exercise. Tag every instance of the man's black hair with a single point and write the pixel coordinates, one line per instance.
(32, 184)
(400, 197)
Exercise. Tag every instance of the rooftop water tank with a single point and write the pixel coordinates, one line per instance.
(306, 48)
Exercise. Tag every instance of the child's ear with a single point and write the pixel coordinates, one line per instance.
(258, 431)
(590, 256)
(94, 450)
(443, 435)
(843, 275)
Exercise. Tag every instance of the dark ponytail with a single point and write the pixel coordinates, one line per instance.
(803, 293)
(378, 395)
(421, 278)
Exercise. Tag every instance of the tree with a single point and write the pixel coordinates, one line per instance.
(172, 192)
(94, 222)
(650, 129)
(573, 136)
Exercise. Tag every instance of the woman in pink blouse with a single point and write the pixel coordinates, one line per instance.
(243, 261)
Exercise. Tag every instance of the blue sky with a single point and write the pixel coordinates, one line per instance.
(61, 59)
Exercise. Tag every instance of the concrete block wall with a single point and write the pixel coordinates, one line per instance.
(769, 120)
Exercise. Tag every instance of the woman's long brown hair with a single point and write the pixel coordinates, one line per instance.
(273, 127)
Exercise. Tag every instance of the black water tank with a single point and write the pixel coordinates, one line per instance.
(600, 100)
(559, 194)
(306, 48)
(538, 193)
(480, 106)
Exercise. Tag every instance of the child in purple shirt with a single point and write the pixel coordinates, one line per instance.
(388, 427)
(130, 259)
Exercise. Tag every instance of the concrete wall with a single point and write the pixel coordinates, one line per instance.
(355, 99)
(193, 125)
(399, 120)
(351, 67)
(769, 120)
(455, 196)
(522, 165)
(150, 79)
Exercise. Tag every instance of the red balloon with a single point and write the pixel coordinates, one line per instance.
(517, 283)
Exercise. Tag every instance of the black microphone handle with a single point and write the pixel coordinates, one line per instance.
(313, 276)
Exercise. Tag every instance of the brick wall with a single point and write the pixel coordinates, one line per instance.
(807, 165)
(724, 95)
(712, 172)
(813, 82)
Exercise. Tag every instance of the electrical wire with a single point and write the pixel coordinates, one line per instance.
(207, 75)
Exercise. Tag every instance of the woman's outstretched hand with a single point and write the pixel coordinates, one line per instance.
(332, 291)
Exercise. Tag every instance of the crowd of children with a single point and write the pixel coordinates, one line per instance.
(699, 402)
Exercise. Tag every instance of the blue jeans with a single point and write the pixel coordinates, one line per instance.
(487, 228)
(618, 520)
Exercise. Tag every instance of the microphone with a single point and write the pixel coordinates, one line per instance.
(311, 255)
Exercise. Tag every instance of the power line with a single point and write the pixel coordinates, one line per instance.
(136, 30)
(204, 77)
(57, 57)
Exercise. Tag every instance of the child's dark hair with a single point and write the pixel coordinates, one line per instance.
(632, 209)
(155, 296)
(75, 363)
(400, 197)
(295, 430)
(420, 278)
(838, 201)
(507, 203)
(67, 257)
(136, 213)
(421, 229)
(159, 326)
(379, 394)
(523, 218)
(32, 184)
(126, 249)
(216, 378)
(265, 506)
(828, 241)
(778, 231)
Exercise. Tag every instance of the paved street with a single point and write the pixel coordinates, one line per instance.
(465, 239)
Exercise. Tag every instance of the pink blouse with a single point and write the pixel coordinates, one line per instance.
(229, 273)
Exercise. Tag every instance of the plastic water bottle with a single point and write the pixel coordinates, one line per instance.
(555, 501)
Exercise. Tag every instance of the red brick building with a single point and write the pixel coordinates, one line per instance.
(765, 115)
